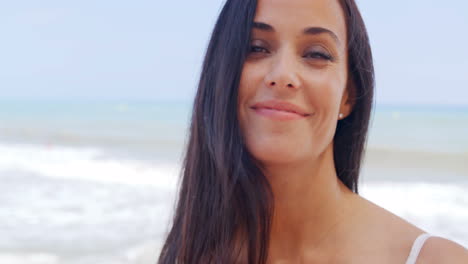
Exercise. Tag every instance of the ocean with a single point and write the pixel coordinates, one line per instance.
(94, 181)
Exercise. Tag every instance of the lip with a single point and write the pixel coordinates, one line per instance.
(281, 110)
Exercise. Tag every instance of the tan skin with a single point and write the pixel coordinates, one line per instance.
(317, 219)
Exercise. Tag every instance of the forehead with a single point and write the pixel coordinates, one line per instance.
(292, 16)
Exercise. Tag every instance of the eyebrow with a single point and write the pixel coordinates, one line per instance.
(307, 31)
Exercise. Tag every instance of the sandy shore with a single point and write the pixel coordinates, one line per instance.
(419, 166)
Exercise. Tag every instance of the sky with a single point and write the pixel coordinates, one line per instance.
(153, 49)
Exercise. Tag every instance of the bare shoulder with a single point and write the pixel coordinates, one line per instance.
(396, 237)
(388, 222)
(441, 250)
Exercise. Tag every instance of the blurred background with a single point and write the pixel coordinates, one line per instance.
(94, 108)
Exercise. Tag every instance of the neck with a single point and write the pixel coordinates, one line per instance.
(310, 204)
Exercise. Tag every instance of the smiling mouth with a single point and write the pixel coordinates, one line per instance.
(280, 110)
(279, 115)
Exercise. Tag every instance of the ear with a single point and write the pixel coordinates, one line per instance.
(348, 99)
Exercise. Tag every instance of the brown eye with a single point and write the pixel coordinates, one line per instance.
(318, 55)
(256, 49)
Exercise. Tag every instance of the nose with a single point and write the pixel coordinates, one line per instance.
(283, 73)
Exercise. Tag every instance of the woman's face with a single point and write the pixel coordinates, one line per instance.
(298, 56)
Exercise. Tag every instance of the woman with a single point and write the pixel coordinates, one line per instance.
(277, 135)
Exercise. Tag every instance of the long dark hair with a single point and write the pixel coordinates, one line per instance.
(223, 193)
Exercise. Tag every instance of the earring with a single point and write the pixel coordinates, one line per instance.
(340, 116)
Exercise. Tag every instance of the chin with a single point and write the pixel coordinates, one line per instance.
(276, 150)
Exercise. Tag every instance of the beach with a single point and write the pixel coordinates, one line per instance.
(96, 182)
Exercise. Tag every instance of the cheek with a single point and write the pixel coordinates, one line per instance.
(325, 80)
(324, 91)
(251, 79)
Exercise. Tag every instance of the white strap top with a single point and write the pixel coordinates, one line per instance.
(417, 245)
